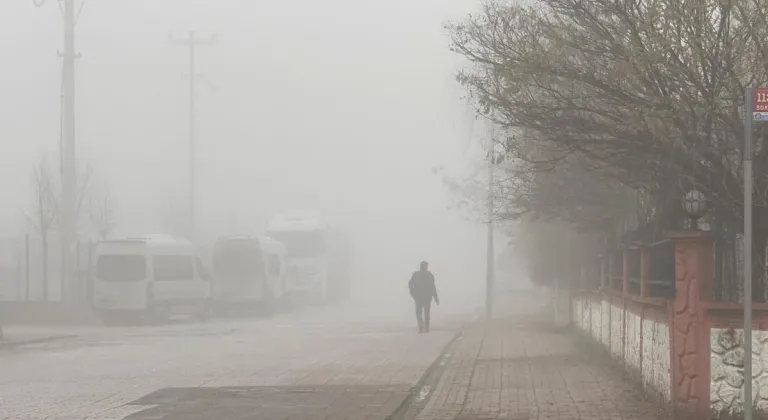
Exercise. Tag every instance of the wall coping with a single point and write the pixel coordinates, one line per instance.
(689, 234)
(731, 315)
(658, 302)
(732, 306)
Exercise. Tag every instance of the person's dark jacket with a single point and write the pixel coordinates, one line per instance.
(422, 286)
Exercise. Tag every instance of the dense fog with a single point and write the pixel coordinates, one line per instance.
(342, 107)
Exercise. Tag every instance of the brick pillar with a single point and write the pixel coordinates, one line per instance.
(611, 269)
(689, 340)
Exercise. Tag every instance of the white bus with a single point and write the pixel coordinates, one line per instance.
(154, 276)
(306, 241)
(248, 273)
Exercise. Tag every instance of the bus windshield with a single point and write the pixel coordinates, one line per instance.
(238, 258)
(302, 244)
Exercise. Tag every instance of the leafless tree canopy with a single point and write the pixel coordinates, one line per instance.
(103, 216)
(638, 98)
(45, 207)
(642, 92)
(44, 212)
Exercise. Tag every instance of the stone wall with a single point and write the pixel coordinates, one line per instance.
(617, 338)
(656, 370)
(727, 372)
(636, 336)
(685, 348)
(634, 351)
(596, 315)
(561, 302)
(605, 323)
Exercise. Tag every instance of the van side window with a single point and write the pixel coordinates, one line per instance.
(121, 268)
(274, 265)
(173, 268)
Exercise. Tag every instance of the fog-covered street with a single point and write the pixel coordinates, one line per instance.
(366, 355)
(230, 210)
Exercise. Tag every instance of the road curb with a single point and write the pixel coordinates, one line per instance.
(8, 345)
(432, 375)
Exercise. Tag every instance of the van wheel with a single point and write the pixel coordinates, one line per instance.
(205, 314)
(269, 303)
(285, 304)
(157, 314)
(220, 310)
(109, 320)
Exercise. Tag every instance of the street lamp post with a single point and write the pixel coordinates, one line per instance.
(755, 110)
(490, 274)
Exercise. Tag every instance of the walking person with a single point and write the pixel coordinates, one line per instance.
(423, 290)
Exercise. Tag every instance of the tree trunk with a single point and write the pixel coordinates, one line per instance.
(44, 240)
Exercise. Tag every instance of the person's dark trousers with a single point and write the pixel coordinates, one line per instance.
(423, 308)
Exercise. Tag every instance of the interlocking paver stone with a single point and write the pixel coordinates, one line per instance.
(514, 369)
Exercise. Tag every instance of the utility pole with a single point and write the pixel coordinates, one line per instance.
(68, 209)
(68, 228)
(192, 42)
(489, 278)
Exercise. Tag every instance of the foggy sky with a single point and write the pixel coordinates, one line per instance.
(343, 106)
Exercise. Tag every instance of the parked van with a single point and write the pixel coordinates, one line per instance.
(306, 240)
(249, 273)
(154, 276)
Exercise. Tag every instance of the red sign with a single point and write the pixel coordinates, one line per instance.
(760, 100)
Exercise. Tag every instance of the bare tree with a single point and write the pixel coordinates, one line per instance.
(84, 194)
(643, 95)
(174, 220)
(44, 215)
(103, 216)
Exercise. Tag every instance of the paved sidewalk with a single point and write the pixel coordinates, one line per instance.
(515, 369)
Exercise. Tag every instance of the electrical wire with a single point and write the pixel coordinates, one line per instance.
(39, 3)
(79, 11)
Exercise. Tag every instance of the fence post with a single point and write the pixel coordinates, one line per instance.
(90, 273)
(611, 263)
(26, 268)
(603, 274)
(19, 272)
(645, 270)
(78, 275)
(625, 257)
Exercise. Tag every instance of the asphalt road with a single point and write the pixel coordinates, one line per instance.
(356, 362)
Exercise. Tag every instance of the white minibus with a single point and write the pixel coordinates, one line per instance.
(154, 276)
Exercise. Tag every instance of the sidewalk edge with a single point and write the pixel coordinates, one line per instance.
(8, 345)
(432, 374)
